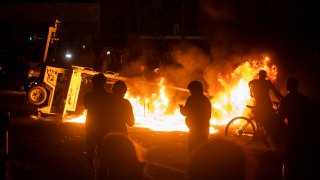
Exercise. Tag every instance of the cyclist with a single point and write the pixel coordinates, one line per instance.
(264, 112)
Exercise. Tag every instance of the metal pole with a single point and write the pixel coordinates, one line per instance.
(47, 44)
(50, 39)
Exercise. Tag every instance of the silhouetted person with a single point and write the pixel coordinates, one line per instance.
(97, 104)
(197, 110)
(296, 109)
(220, 159)
(4, 127)
(121, 110)
(264, 112)
(4, 165)
(120, 160)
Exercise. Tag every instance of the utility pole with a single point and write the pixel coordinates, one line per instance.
(51, 38)
(183, 19)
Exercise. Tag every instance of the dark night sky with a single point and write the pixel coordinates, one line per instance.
(286, 24)
(289, 28)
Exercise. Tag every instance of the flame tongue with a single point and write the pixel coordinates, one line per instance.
(152, 112)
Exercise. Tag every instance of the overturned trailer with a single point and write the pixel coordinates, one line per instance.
(61, 89)
(58, 90)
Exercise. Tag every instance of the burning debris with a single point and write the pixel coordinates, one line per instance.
(229, 94)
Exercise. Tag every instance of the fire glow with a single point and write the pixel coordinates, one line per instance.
(151, 112)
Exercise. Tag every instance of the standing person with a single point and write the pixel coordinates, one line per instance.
(197, 110)
(264, 112)
(97, 104)
(122, 113)
(296, 108)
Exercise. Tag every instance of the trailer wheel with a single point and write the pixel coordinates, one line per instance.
(37, 95)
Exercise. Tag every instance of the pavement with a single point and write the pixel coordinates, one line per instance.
(49, 149)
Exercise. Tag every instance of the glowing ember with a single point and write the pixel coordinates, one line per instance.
(151, 112)
(79, 119)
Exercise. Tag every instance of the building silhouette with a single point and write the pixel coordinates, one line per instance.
(94, 24)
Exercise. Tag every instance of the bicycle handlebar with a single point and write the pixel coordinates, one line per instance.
(273, 102)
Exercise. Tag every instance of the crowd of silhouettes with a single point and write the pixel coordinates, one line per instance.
(109, 115)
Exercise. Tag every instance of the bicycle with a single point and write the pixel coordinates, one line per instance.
(247, 129)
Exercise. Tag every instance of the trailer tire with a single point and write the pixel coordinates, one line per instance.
(37, 95)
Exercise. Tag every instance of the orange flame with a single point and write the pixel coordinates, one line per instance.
(151, 112)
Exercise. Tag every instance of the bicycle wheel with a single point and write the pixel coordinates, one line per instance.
(240, 129)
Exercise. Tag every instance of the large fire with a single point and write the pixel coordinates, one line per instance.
(151, 112)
